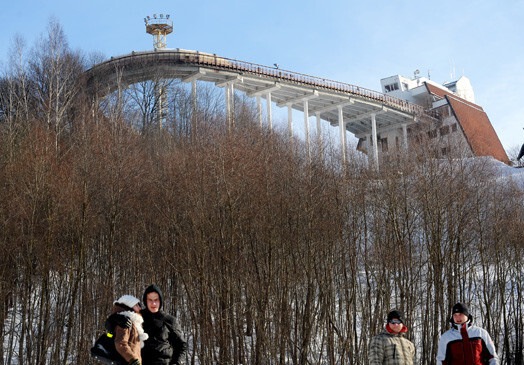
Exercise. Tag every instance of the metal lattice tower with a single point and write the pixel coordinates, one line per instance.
(159, 28)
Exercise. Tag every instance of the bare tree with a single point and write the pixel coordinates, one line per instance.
(264, 254)
(54, 69)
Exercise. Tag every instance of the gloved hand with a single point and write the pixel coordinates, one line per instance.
(123, 321)
(134, 362)
(117, 320)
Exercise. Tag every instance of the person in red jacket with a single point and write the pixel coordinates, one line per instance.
(465, 344)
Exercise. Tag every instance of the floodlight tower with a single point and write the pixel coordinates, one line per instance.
(160, 27)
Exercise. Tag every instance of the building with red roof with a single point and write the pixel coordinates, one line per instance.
(458, 127)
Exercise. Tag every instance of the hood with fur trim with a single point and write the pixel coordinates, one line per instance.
(137, 322)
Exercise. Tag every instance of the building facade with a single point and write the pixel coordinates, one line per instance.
(457, 127)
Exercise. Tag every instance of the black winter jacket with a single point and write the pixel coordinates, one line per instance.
(166, 343)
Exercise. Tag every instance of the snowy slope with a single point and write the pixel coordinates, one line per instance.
(505, 173)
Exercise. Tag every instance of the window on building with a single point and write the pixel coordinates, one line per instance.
(404, 86)
(442, 111)
(454, 127)
(444, 130)
(444, 151)
(391, 87)
(384, 144)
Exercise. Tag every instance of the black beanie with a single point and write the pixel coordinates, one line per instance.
(395, 314)
(153, 289)
(460, 308)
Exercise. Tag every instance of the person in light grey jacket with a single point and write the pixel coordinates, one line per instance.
(391, 347)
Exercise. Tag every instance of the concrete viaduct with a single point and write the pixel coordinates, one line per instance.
(363, 112)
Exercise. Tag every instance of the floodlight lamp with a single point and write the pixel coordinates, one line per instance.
(148, 17)
(161, 16)
(154, 16)
(167, 16)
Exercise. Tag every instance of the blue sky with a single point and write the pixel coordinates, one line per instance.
(357, 42)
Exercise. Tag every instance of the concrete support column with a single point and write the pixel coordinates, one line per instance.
(306, 128)
(319, 130)
(195, 105)
(269, 120)
(342, 127)
(194, 95)
(290, 119)
(118, 111)
(232, 109)
(405, 136)
(228, 106)
(375, 141)
(259, 110)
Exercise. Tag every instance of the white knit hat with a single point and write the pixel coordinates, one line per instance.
(127, 300)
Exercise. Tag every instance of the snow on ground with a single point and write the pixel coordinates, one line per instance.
(504, 172)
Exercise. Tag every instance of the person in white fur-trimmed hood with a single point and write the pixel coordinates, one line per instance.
(126, 322)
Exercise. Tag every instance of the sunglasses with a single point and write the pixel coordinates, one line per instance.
(395, 321)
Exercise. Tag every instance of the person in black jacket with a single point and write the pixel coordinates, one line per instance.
(166, 343)
(521, 153)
